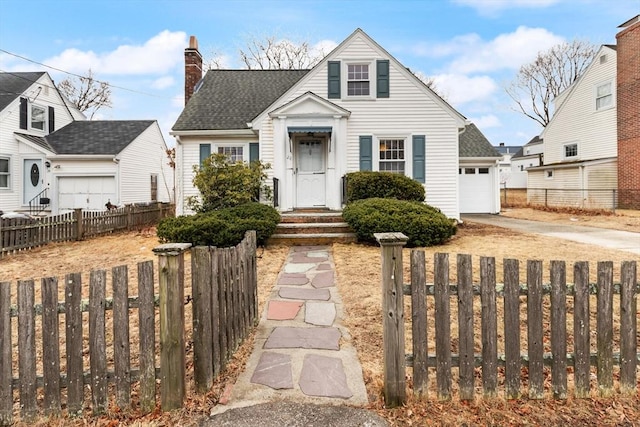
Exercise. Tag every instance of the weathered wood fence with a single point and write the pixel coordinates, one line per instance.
(224, 305)
(511, 364)
(24, 233)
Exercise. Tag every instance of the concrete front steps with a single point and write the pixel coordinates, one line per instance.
(312, 227)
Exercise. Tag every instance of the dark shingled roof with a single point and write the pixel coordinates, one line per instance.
(229, 99)
(96, 137)
(472, 143)
(12, 85)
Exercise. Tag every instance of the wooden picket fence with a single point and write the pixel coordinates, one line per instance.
(224, 304)
(18, 234)
(507, 368)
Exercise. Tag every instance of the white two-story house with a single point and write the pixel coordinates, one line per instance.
(580, 142)
(53, 160)
(358, 109)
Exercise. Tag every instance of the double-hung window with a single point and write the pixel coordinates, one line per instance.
(4, 172)
(234, 153)
(38, 117)
(604, 96)
(392, 155)
(358, 83)
(570, 151)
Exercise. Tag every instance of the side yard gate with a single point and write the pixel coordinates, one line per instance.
(224, 308)
(543, 321)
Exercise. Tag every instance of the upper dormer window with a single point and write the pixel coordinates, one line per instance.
(358, 80)
(604, 96)
(38, 117)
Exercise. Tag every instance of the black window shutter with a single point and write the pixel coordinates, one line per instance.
(52, 120)
(333, 71)
(23, 113)
(382, 73)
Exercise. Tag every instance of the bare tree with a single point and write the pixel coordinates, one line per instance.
(430, 82)
(272, 53)
(553, 71)
(86, 93)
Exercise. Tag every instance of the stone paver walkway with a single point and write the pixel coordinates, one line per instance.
(302, 351)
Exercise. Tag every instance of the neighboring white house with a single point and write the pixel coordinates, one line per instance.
(358, 109)
(478, 174)
(528, 156)
(580, 142)
(53, 160)
(504, 165)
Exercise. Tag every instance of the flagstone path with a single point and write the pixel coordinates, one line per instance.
(302, 352)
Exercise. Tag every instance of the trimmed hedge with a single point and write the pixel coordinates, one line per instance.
(222, 227)
(386, 185)
(424, 225)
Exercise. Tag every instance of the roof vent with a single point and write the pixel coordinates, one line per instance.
(603, 59)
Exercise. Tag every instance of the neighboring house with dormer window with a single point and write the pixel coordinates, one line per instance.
(579, 166)
(53, 160)
(357, 109)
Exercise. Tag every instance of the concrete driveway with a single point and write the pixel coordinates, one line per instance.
(613, 239)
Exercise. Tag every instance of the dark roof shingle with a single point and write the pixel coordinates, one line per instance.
(229, 99)
(472, 143)
(12, 85)
(108, 137)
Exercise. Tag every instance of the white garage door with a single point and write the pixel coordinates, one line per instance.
(476, 190)
(86, 192)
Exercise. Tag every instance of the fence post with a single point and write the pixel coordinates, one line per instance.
(77, 214)
(172, 345)
(393, 317)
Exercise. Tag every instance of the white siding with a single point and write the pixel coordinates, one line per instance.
(11, 198)
(144, 156)
(408, 111)
(577, 120)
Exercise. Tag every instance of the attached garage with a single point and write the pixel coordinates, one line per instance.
(477, 192)
(478, 175)
(86, 192)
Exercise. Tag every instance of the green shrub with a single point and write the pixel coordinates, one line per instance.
(385, 185)
(222, 227)
(424, 225)
(223, 183)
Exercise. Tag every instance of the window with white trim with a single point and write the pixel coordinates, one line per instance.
(570, 150)
(154, 187)
(358, 80)
(38, 117)
(604, 96)
(4, 172)
(392, 155)
(235, 152)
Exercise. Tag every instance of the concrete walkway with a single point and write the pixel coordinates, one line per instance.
(613, 239)
(302, 352)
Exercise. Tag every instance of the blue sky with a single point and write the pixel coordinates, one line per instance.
(473, 48)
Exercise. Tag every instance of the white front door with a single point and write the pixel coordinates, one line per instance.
(32, 180)
(310, 172)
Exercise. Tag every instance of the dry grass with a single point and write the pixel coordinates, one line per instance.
(359, 283)
(358, 271)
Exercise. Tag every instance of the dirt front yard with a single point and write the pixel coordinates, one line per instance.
(358, 274)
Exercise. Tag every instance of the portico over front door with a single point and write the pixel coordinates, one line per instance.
(310, 171)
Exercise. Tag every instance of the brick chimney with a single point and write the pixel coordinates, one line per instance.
(628, 107)
(192, 68)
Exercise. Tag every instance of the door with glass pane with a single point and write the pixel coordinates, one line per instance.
(310, 173)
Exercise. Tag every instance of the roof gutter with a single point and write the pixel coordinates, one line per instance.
(95, 157)
(220, 132)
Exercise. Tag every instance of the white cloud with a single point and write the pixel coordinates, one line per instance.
(159, 55)
(460, 89)
(163, 82)
(485, 122)
(323, 47)
(492, 7)
(506, 51)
